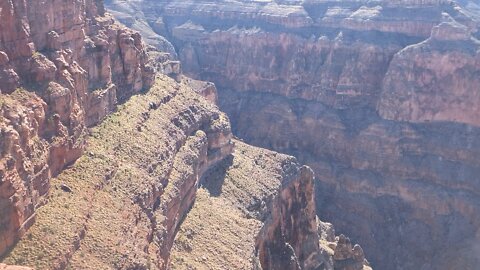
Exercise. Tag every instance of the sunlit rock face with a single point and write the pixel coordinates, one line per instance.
(64, 65)
(435, 80)
(380, 98)
(163, 185)
(123, 201)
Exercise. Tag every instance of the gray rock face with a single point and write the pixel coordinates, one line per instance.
(380, 98)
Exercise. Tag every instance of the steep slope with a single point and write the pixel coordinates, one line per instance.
(380, 98)
(86, 183)
(122, 203)
(254, 211)
(63, 67)
(244, 189)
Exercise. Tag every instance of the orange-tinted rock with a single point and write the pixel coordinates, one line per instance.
(63, 67)
(167, 137)
(436, 80)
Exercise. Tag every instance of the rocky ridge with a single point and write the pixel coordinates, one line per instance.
(126, 198)
(378, 97)
(262, 219)
(127, 195)
(87, 183)
(64, 66)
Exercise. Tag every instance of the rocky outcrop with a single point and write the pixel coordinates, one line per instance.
(347, 257)
(289, 240)
(125, 198)
(436, 80)
(208, 90)
(264, 217)
(142, 195)
(64, 65)
(379, 98)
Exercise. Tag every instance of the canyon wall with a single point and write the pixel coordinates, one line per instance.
(264, 219)
(380, 98)
(64, 66)
(103, 158)
(123, 200)
(156, 166)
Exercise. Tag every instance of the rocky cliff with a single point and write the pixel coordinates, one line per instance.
(380, 98)
(64, 66)
(261, 224)
(141, 197)
(88, 183)
(123, 200)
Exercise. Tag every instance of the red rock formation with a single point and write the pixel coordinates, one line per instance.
(256, 210)
(141, 175)
(154, 151)
(324, 70)
(63, 66)
(289, 239)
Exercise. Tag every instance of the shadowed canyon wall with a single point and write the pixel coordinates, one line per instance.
(380, 98)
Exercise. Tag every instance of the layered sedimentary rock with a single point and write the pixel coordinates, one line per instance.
(380, 98)
(399, 184)
(436, 80)
(264, 218)
(123, 202)
(64, 65)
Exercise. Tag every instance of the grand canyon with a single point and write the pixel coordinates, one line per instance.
(240, 134)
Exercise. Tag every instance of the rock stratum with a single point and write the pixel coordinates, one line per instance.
(381, 99)
(159, 188)
(64, 66)
(108, 163)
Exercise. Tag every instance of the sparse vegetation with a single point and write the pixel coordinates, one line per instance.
(218, 231)
(103, 213)
(36, 54)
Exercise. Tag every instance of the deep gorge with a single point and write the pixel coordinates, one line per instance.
(264, 134)
(379, 98)
(112, 158)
